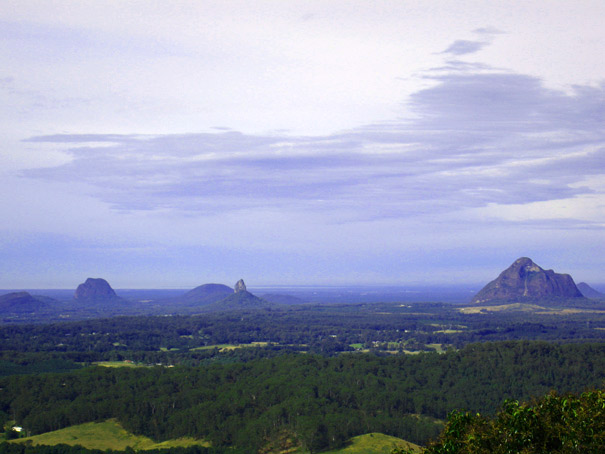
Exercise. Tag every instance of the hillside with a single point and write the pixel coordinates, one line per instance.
(110, 435)
(590, 292)
(22, 302)
(239, 299)
(105, 435)
(375, 443)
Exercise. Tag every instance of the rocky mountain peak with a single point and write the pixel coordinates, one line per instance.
(526, 265)
(526, 280)
(95, 289)
(240, 286)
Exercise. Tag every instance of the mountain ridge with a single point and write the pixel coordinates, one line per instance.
(22, 302)
(206, 294)
(590, 292)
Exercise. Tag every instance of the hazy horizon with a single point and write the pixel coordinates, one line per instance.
(300, 143)
(468, 286)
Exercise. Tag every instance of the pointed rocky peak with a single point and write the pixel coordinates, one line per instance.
(95, 290)
(525, 280)
(240, 286)
(525, 265)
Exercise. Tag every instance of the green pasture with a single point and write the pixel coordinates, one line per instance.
(226, 347)
(111, 435)
(115, 364)
(374, 443)
(105, 435)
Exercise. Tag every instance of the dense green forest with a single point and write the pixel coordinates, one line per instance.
(322, 400)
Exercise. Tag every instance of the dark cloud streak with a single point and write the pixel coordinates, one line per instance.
(464, 47)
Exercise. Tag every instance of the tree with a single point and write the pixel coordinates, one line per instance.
(555, 424)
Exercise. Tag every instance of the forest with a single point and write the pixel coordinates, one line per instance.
(316, 374)
(322, 401)
(322, 329)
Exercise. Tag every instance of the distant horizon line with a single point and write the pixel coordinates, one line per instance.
(399, 287)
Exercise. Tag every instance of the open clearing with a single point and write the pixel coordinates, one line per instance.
(115, 364)
(111, 435)
(227, 347)
(374, 443)
(105, 435)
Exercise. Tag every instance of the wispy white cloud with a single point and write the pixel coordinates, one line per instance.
(478, 140)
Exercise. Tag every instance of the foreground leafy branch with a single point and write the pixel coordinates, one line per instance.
(555, 424)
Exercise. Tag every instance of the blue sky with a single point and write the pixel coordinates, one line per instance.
(170, 144)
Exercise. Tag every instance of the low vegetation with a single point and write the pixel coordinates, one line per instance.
(376, 443)
(103, 436)
(554, 424)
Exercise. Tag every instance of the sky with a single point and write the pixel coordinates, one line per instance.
(331, 142)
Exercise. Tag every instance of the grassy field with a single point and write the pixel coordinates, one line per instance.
(111, 435)
(226, 347)
(522, 307)
(105, 435)
(374, 443)
(438, 347)
(115, 364)
(503, 307)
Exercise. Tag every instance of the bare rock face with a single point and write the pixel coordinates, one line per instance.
(95, 290)
(240, 286)
(524, 280)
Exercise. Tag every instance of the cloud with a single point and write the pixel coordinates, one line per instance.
(489, 31)
(464, 47)
(34, 38)
(478, 139)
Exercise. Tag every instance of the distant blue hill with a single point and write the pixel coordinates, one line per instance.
(590, 292)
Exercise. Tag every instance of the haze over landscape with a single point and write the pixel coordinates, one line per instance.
(168, 145)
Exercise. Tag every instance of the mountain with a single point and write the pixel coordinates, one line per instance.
(240, 298)
(590, 292)
(524, 280)
(95, 290)
(240, 286)
(206, 294)
(17, 302)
